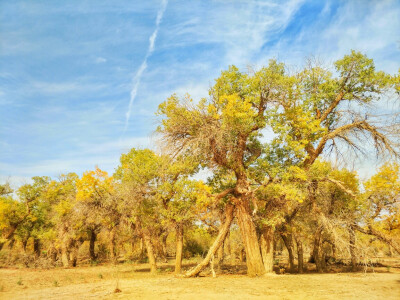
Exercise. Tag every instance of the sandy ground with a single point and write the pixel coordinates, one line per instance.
(100, 282)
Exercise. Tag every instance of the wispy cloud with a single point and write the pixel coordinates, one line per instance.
(100, 60)
(143, 66)
(65, 87)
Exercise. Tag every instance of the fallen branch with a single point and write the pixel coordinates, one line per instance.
(217, 243)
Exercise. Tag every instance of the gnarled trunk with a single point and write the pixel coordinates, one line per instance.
(217, 243)
(179, 248)
(255, 266)
(267, 248)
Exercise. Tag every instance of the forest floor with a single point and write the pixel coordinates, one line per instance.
(134, 282)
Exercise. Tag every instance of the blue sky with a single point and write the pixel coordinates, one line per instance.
(80, 80)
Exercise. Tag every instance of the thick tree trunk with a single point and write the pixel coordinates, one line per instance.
(242, 255)
(300, 255)
(164, 246)
(65, 252)
(230, 249)
(255, 266)
(73, 256)
(92, 242)
(142, 248)
(36, 247)
(64, 256)
(11, 244)
(52, 253)
(150, 253)
(352, 246)
(217, 243)
(179, 248)
(220, 257)
(24, 244)
(316, 257)
(74, 250)
(288, 241)
(267, 248)
(64, 246)
(323, 260)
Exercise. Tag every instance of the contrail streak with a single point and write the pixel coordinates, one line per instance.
(143, 66)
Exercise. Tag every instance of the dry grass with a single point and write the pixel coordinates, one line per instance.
(100, 282)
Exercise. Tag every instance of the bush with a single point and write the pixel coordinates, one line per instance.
(192, 248)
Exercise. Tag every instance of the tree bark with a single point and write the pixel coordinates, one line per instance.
(288, 241)
(92, 242)
(150, 253)
(300, 255)
(36, 247)
(73, 256)
(229, 248)
(217, 243)
(242, 255)
(255, 266)
(65, 251)
(220, 257)
(315, 257)
(164, 246)
(267, 248)
(179, 248)
(24, 244)
(64, 256)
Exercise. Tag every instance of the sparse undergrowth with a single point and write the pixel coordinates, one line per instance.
(127, 281)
